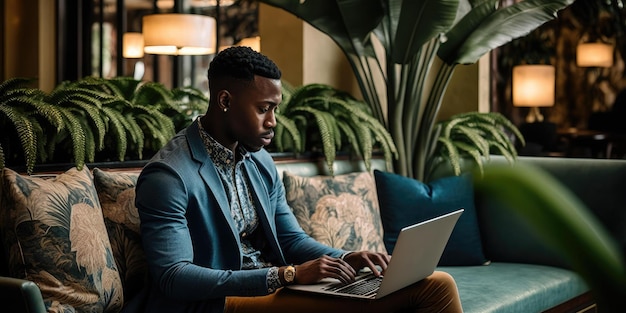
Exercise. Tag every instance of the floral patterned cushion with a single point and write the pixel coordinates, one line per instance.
(340, 211)
(116, 191)
(54, 235)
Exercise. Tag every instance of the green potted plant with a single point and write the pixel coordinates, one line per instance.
(400, 40)
(91, 120)
(318, 116)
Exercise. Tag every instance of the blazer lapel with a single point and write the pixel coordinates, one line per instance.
(261, 195)
(209, 175)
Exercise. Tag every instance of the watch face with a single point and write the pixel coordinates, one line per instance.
(290, 274)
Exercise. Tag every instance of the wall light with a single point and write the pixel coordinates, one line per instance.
(594, 54)
(533, 86)
(179, 34)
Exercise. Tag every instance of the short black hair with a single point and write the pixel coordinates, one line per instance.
(242, 63)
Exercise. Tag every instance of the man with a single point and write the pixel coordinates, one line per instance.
(217, 231)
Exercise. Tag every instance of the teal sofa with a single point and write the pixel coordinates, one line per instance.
(523, 273)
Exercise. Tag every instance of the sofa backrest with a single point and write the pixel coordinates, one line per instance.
(317, 166)
(598, 183)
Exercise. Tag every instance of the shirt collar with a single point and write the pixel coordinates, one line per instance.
(217, 151)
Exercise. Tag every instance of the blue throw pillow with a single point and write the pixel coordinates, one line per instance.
(405, 201)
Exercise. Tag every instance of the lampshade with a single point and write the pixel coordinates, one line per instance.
(533, 86)
(133, 45)
(179, 34)
(594, 54)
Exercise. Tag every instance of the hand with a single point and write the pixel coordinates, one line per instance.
(324, 267)
(362, 259)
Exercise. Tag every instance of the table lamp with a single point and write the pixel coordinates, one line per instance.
(533, 86)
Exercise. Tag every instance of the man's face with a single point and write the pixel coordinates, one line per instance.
(251, 116)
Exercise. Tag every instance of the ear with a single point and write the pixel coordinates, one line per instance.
(223, 99)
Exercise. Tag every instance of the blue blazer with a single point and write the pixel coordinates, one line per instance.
(190, 239)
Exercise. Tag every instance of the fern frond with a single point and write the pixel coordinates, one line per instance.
(66, 95)
(40, 142)
(332, 122)
(449, 126)
(326, 133)
(151, 94)
(311, 91)
(90, 142)
(24, 129)
(158, 119)
(136, 134)
(152, 129)
(74, 127)
(365, 142)
(193, 95)
(503, 151)
(351, 136)
(364, 117)
(32, 101)
(118, 104)
(14, 83)
(451, 153)
(474, 137)
(115, 123)
(388, 156)
(95, 117)
(123, 87)
(509, 126)
(473, 152)
(491, 131)
(290, 128)
(279, 142)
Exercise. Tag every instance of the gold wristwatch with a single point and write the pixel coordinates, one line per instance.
(289, 274)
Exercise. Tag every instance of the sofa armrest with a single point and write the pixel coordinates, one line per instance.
(20, 296)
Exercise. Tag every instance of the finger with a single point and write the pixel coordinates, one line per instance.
(344, 271)
(341, 270)
(347, 267)
(377, 259)
(372, 266)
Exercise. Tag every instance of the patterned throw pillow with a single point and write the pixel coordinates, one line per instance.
(340, 211)
(116, 191)
(54, 234)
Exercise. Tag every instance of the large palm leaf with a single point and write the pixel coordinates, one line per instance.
(410, 34)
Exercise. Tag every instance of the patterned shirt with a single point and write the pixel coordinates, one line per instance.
(242, 205)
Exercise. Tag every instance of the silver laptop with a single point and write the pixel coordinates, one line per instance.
(415, 256)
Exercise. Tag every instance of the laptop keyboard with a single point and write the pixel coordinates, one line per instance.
(362, 287)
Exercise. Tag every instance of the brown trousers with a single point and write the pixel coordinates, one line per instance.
(436, 293)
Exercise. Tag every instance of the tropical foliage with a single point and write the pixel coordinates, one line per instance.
(562, 220)
(318, 116)
(22, 112)
(473, 136)
(399, 42)
(92, 119)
